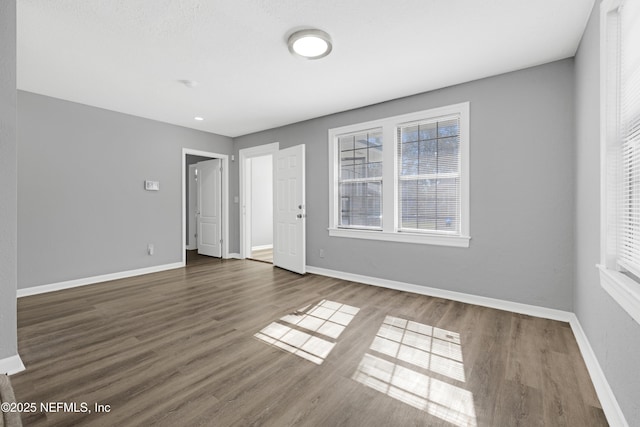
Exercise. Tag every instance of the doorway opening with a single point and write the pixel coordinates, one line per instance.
(205, 206)
(288, 204)
(256, 195)
(259, 207)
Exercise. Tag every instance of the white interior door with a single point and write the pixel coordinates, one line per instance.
(210, 208)
(289, 202)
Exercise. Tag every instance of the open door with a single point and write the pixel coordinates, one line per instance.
(209, 211)
(289, 217)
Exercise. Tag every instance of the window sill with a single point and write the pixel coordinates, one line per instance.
(424, 239)
(624, 290)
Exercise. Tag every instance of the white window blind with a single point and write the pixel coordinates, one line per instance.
(360, 180)
(429, 176)
(628, 76)
(620, 153)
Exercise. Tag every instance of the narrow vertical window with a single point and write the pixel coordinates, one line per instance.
(360, 180)
(620, 148)
(629, 134)
(429, 176)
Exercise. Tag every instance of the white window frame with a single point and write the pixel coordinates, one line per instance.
(622, 288)
(390, 230)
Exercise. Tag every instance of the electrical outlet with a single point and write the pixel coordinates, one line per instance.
(150, 248)
(321, 253)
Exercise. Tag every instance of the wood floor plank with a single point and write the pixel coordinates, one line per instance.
(519, 405)
(180, 348)
(524, 363)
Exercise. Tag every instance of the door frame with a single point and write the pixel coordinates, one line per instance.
(245, 192)
(225, 199)
(191, 183)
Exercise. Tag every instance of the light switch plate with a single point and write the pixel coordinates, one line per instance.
(152, 185)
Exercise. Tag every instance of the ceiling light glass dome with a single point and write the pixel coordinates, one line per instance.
(310, 44)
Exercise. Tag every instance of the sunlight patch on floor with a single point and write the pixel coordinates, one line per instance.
(404, 350)
(310, 332)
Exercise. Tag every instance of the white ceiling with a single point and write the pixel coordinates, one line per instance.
(128, 55)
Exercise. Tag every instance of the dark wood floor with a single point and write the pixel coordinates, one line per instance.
(240, 343)
(193, 258)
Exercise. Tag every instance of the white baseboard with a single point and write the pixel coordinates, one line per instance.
(95, 279)
(261, 247)
(610, 406)
(191, 247)
(11, 365)
(531, 310)
(234, 256)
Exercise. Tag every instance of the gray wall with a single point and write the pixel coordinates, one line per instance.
(82, 209)
(8, 177)
(613, 334)
(262, 201)
(522, 182)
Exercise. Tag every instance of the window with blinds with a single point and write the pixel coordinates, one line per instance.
(429, 175)
(628, 74)
(360, 179)
(403, 178)
(620, 147)
(622, 130)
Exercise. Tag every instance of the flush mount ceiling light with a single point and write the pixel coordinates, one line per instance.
(198, 118)
(310, 44)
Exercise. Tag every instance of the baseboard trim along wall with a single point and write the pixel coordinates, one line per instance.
(531, 310)
(261, 247)
(35, 290)
(235, 256)
(610, 406)
(11, 365)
